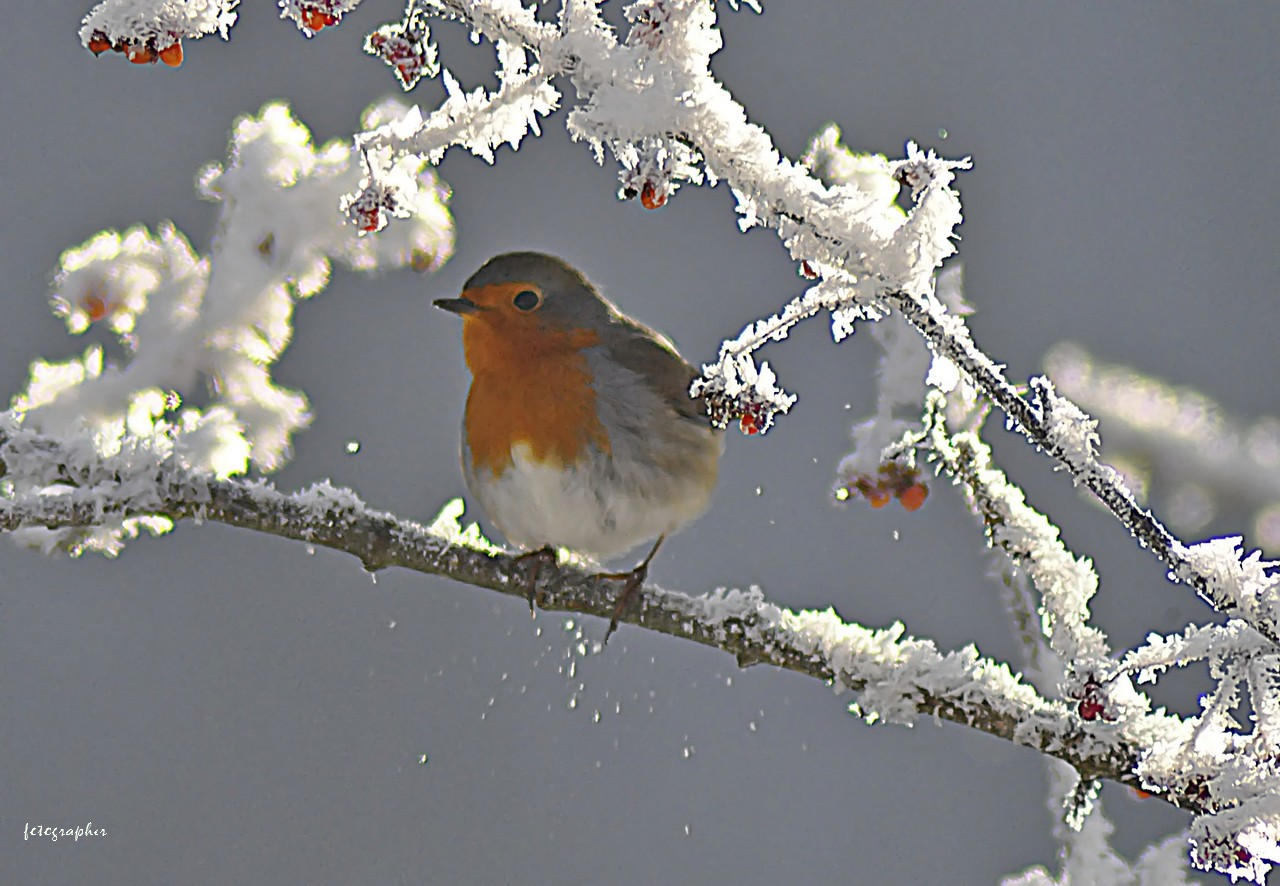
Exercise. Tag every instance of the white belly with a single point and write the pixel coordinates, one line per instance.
(599, 508)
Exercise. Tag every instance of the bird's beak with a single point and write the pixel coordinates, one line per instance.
(457, 305)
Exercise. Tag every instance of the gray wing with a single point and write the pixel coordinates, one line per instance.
(649, 355)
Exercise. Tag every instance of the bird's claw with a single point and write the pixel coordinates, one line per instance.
(633, 580)
(538, 558)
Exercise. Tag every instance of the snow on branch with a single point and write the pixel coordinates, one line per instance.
(146, 31)
(1233, 582)
(1210, 757)
(1066, 583)
(893, 677)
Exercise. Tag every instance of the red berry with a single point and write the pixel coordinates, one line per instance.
(140, 55)
(172, 55)
(99, 44)
(807, 271)
(315, 19)
(651, 199)
(94, 306)
(878, 498)
(913, 496)
(1090, 708)
(1243, 855)
(748, 424)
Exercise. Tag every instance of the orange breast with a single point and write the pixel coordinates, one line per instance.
(530, 385)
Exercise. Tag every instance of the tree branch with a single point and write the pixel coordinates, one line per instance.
(894, 676)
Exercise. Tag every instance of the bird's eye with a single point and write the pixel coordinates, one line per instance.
(526, 300)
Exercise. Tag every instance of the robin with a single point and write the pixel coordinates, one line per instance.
(579, 431)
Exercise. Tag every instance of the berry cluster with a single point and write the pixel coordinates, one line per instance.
(1218, 855)
(369, 209)
(317, 18)
(753, 417)
(140, 52)
(892, 480)
(752, 420)
(405, 50)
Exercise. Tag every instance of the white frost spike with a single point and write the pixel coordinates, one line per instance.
(1236, 581)
(868, 175)
(1073, 432)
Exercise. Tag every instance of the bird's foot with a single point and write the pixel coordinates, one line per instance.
(632, 580)
(543, 556)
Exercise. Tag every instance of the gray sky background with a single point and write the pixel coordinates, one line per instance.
(234, 709)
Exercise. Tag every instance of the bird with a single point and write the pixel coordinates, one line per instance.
(578, 431)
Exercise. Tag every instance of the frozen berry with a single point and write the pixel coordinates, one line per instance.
(94, 306)
(172, 55)
(1090, 708)
(913, 496)
(317, 19)
(650, 198)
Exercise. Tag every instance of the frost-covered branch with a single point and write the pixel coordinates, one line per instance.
(188, 325)
(146, 31)
(894, 677)
(1211, 756)
(651, 101)
(1231, 581)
